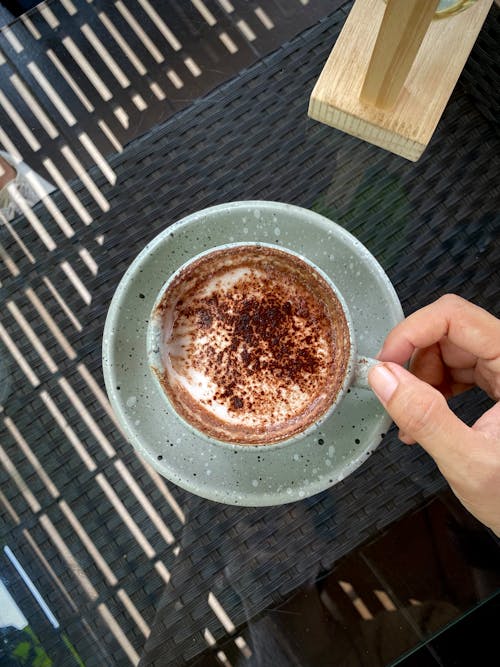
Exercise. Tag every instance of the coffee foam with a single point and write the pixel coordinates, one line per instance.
(254, 345)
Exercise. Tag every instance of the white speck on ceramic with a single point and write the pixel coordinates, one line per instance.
(301, 494)
(277, 231)
(137, 422)
(131, 401)
(255, 482)
(256, 213)
(289, 491)
(328, 462)
(295, 457)
(331, 451)
(245, 230)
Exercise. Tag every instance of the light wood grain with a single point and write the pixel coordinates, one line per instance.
(407, 128)
(401, 33)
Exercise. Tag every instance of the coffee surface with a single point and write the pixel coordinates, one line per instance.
(255, 344)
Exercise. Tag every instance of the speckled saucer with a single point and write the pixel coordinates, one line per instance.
(247, 475)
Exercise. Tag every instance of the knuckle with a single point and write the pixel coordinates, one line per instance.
(451, 301)
(495, 388)
(490, 382)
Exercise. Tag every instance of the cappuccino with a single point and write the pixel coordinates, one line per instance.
(254, 344)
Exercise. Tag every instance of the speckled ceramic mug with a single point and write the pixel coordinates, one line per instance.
(252, 344)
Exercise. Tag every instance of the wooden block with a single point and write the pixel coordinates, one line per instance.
(407, 128)
(401, 33)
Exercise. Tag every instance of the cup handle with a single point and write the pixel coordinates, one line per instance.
(361, 368)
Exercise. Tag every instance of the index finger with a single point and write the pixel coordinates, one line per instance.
(466, 325)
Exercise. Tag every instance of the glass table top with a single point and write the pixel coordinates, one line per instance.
(136, 114)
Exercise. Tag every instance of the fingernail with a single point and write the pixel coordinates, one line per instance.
(383, 382)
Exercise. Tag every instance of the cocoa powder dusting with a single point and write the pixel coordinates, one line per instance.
(270, 339)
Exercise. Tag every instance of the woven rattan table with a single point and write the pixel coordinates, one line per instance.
(140, 112)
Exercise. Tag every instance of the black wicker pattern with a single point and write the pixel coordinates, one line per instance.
(149, 60)
(433, 225)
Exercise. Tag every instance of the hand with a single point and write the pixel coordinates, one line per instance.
(452, 345)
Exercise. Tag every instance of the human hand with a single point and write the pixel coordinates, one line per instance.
(452, 346)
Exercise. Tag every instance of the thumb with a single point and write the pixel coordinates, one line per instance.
(419, 410)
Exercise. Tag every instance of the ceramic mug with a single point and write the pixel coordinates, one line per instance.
(185, 286)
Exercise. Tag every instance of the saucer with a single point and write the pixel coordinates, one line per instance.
(247, 475)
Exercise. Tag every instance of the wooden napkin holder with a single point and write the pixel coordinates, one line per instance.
(393, 69)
